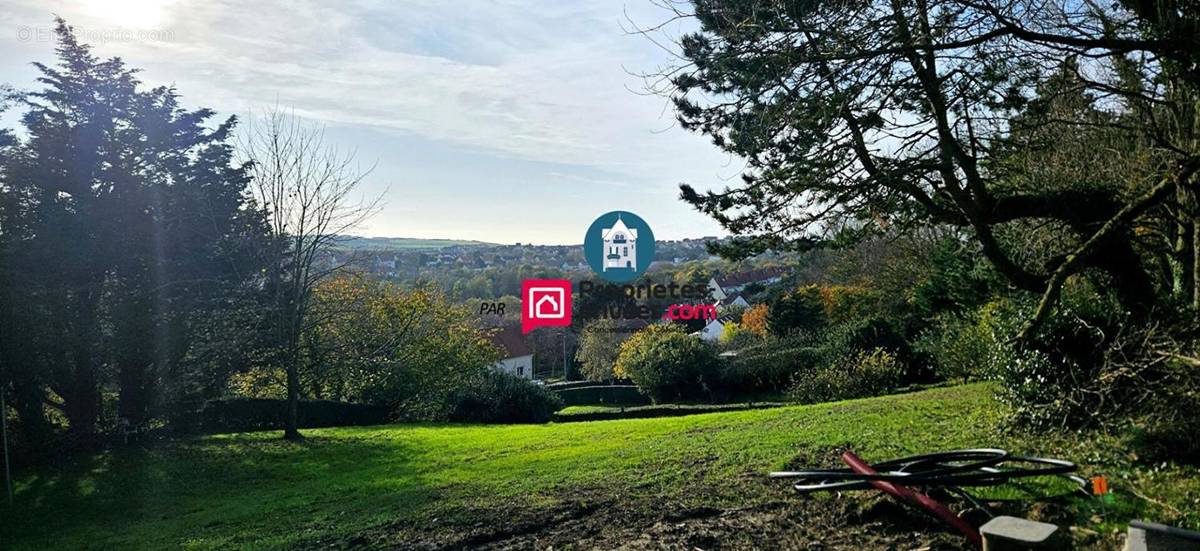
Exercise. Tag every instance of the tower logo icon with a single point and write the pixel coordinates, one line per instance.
(619, 246)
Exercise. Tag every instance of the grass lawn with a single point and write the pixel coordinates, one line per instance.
(694, 481)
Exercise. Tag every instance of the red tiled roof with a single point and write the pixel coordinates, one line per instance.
(510, 342)
(748, 277)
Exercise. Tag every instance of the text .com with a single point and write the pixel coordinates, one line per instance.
(686, 312)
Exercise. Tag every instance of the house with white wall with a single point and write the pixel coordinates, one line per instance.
(713, 329)
(516, 357)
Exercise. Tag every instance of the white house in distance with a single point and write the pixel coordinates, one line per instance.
(620, 246)
(729, 285)
(515, 356)
(712, 331)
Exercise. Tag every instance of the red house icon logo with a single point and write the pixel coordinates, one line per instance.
(545, 302)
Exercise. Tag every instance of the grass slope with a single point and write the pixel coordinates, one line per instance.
(695, 480)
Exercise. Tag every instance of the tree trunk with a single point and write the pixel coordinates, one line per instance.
(1134, 288)
(1184, 257)
(291, 428)
(82, 402)
(291, 424)
(1187, 260)
(1196, 262)
(134, 384)
(82, 405)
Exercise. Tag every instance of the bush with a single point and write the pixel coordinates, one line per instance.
(1166, 427)
(599, 343)
(854, 376)
(1145, 381)
(862, 334)
(498, 397)
(1090, 366)
(601, 395)
(735, 337)
(564, 385)
(251, 414)
(1051, 379)
(958, 348)
(667, 364)
(767, 369)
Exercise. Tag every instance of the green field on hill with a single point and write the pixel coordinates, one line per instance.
(695, 481)
(355, 243)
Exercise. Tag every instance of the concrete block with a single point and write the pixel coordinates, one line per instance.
(1012, 533)
(1148, 536)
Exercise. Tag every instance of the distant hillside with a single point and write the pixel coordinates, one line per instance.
(355, 243)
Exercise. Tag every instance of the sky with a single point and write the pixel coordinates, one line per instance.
(500, 121)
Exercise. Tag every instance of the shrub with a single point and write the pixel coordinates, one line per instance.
(862, 334)
(735, 337)
(957, 347)
(1048, 379)
(1166, 426)
(1090, 366)
(250, 414)
(767, 369)
(853, 376)
(1141, 379)
(601, 395)
(498, 397)
(839, 341)
(599, 343)
(564, 385)
(667, 364)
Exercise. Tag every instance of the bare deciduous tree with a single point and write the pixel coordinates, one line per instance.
(307, 189)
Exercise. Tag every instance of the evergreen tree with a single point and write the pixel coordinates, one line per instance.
(133, 223)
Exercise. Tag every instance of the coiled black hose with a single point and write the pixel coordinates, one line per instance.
(948, 470)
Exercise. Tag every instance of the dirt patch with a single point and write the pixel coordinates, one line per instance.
(833, 523)
(774, 518)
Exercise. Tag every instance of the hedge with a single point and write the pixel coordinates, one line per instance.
(250, 414)
(664, 410)
(565, 385)
(500, 397)
(602, 394)
(767, 370)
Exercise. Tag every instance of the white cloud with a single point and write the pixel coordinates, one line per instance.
(536, 80)
(540, 81)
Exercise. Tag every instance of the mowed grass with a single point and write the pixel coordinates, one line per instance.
(398, 484)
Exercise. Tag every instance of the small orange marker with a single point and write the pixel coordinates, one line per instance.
(1099, 485)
